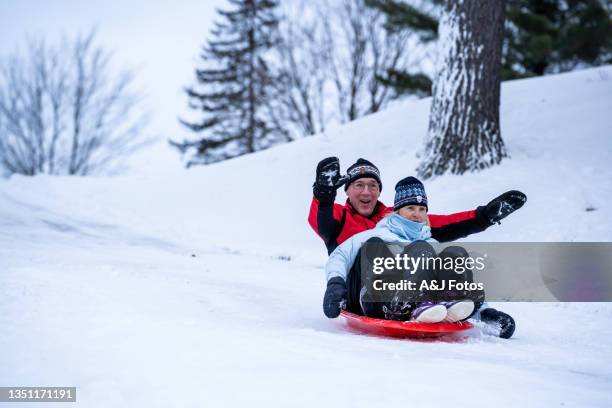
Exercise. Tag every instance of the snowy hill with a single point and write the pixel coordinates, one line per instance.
(204, 287)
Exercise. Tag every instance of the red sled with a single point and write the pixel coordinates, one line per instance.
(393, 328)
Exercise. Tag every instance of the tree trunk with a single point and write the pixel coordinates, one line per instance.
(464, 133)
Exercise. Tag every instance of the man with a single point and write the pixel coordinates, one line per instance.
(335, 223)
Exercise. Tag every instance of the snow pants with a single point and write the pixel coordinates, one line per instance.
(379, 305)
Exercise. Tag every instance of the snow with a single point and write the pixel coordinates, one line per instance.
(167, 287)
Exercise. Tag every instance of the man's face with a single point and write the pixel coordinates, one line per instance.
(416, 213)
(363, 194)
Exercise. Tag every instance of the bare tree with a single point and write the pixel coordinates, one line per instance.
(358, 50)
(61, 112)
(464, 133)
(331, 57)
(303, 76)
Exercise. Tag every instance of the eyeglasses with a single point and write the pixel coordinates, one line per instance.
(373, 186)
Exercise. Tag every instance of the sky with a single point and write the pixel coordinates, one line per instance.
(159, 40)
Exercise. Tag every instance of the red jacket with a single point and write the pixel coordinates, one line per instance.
(336, 223)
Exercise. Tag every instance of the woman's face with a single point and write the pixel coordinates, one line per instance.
(416, 213)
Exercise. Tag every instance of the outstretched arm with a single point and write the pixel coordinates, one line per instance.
(451, 227)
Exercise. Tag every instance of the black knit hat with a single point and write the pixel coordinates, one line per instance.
(409, 191)
(361, 169)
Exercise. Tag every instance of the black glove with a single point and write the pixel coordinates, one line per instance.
(328, 180)
(504, 321)
(335, 297)
(502, 206)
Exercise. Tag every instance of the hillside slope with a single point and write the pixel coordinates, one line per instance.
(204, 287)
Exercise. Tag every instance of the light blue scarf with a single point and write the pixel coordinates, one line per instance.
(407, 230)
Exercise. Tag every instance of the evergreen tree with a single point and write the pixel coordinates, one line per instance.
(234, 89)
(464, 133)
(545, 36)
(402, 16)
(541, 36)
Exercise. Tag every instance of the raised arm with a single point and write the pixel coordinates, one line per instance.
(325, 216)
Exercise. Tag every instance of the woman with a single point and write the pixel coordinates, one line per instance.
(406, 224)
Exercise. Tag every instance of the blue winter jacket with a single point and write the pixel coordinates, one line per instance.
(391, 229)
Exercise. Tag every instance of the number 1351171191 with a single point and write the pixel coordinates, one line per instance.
(40, 394)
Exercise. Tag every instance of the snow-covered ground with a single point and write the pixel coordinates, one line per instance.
(203, 287)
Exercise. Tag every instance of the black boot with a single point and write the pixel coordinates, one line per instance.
(505, 321)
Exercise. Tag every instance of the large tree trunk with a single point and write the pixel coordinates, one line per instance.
(464, 132)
